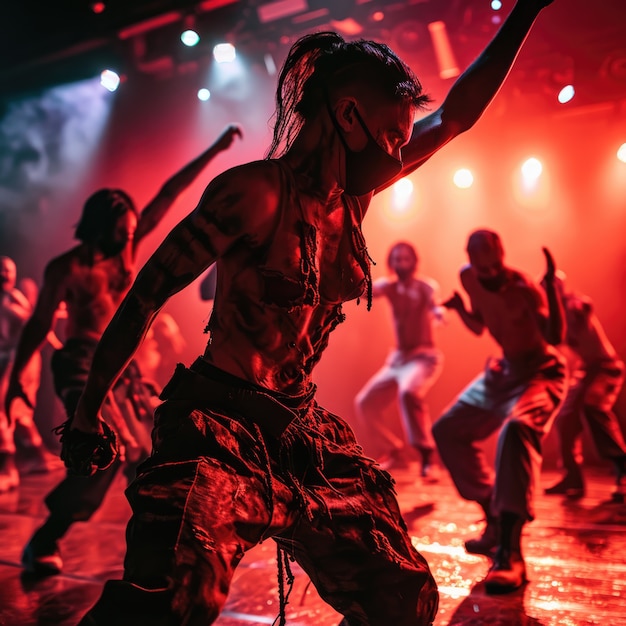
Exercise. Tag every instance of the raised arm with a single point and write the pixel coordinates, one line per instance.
(473, 90)
(231, 210)
(553, 326)
(154, 212)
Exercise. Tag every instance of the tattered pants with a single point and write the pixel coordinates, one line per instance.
(221, 480)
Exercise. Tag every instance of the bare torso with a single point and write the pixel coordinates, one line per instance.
(412, 309)
(511, 315)
(92, 289)
(585, 335)
(278, 299)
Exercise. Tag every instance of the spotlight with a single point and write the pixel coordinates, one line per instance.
(463, 178)
(190, 37)
(224, 53)
(531, 169)
(566, 94)
(110, 80)
(402, 192)
(204, 94)
(98, 7)
(621, 153)
(496, 5)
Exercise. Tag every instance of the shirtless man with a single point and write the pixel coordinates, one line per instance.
(517, 395)
(411, 368)
(595, 383)
(241, 450)
(15, 308)
(91, 279)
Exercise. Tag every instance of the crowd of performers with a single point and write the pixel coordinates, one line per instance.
(234, 448)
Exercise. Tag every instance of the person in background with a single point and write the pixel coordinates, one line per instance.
(19, 430)
(595, 383)
(412, 366)
(92, 279)
(516, 397)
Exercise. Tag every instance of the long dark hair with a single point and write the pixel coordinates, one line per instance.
(321, 61)
(100, 213)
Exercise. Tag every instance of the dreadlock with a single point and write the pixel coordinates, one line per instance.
(322, 61)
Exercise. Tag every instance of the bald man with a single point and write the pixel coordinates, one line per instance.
(517, 395)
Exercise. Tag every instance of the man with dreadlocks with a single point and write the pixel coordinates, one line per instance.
(91, 279)
(241, 450)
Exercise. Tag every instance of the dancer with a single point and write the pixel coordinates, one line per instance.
(241, 450)
(92, 278)
(20, 427)
(594, 386)
(411, 368)
(516, 396)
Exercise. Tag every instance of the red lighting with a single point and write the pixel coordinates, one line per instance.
(98, 7)
(378, 16)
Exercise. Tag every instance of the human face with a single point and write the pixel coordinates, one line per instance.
(402, 262)
(376, 158)
(391, 124)
(7, 273)
(123, 234)
(488, 265)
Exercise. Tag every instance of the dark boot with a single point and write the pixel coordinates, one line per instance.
(572, 485)
(41, 555)
(427, 462)
(619, 495)
(508, 571)
(488, 541)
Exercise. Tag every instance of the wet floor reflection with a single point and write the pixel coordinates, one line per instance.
(575, 554)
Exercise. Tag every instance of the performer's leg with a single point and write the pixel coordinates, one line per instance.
(370, 404)
(568, 426)
(416, 379)
(355, 546)
(518, 465)
(199, 502)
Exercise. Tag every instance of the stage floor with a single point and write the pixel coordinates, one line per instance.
(575, 554)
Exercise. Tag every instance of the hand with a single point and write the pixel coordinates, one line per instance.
(455, 302)
(548, 277)
(225, 140)
(15, 391)
(86, 452)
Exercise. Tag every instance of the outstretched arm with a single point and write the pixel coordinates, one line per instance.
(472, 319)
(473, 90)
(172, 188)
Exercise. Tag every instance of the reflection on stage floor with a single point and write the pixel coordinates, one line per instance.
(574, 552)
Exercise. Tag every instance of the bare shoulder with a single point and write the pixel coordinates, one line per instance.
(243, 198)
(64, 265)
(258, 181)
(429, 285)
(466, 275)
